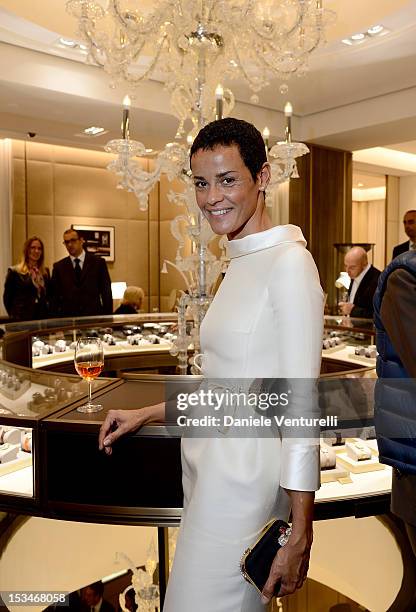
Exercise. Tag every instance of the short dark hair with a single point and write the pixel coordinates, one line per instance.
(72, 229)
(97, 587)
(230, 131)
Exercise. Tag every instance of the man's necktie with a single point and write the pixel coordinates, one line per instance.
(77, 270)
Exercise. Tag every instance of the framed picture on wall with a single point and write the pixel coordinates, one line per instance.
(98, 240)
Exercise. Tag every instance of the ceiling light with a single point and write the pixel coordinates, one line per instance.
(67, 42)
(83, 47)
(374, 30)
(94, 131)
(360, 37)
(149, 150)
(360, 184)
(353, 41)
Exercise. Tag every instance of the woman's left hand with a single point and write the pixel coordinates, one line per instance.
(290, 566)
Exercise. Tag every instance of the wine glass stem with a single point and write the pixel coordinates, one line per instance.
(89, 393)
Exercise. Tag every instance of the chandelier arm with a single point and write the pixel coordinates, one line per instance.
(241, 66)
(153, 22)
(135, 78)
(84, 30)
(185, 278)
(267, 63)
(302, 11)
(259, 28)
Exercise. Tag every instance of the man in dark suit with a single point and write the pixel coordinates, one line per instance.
(92, 599)
(80, 284)
(364, 277)
(409, 222)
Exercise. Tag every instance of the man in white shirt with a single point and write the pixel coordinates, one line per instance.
(364, 278)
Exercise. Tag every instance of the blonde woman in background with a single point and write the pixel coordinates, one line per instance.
(132, 301)
(26, 288)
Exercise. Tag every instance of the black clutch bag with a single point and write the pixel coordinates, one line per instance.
(257, 560)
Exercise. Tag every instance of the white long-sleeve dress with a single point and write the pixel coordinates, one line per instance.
(265, 322)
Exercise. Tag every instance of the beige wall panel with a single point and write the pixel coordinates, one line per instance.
(392, 238)
(376, 231)
(137, 257)
(18, 149)
(89, 192)
(81, 157)
(393, 195)
(166, 304)
(168, 210)
(172, 280)
(18, 236)
(43, 226)
(39, 152)
(154, 304)
(155, 262)
(19, 186)
(153, 203)
(40, 188)
(359, 221)
(132, 208)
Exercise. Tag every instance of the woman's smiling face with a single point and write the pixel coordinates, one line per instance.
(226, 192)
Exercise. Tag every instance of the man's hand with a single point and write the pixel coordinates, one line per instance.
(345, 307)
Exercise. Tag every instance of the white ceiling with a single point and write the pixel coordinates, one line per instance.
(352, 98)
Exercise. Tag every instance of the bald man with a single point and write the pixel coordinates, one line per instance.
(409, 224)
(364, 278)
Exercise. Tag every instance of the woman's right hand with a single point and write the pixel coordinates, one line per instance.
(119, 422)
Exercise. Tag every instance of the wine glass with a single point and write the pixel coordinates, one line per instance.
(89, 363)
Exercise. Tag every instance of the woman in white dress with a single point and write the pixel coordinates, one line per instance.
(265, 322)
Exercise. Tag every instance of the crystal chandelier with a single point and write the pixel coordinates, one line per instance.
(187, 44)
(252, 40)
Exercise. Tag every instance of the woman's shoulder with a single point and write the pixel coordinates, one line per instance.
(293, 261)
(16, 271)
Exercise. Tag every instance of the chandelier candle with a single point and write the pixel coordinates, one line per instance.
(219, 100)
(126, 113)
(266, 136)
(288, 115)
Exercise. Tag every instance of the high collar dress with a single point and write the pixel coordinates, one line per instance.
(265, 322)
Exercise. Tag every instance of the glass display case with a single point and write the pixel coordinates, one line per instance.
(26, 398)
(348, 343)
(130, 342)
(52, 449)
